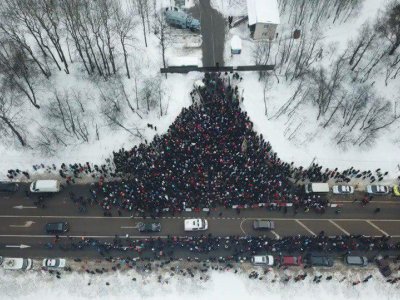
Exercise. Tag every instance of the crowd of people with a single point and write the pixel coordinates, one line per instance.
(210, 157)
(233, 248)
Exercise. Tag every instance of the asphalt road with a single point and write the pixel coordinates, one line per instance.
(25, 226)
(213, 27)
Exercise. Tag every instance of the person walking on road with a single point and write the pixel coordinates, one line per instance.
(377, 210)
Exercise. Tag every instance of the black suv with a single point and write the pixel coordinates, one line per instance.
(149, 227)
(57, 228)
(320, 260)
(8, 187)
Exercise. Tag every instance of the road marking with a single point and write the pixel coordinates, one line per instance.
(122, 236)
(305, 227)
(373, 201)
(22, 207)
(249, 218)
(377, 228)
(129, 227)
(340, 227)
(275, 234)
(241, 228)
(27, 224)
(18, 246)
(86, 236)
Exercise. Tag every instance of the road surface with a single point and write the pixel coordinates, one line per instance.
(23, 224)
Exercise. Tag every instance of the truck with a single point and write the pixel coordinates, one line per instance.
(316, 188)
(178, 18)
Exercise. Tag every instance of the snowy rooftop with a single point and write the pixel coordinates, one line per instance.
(263, 11)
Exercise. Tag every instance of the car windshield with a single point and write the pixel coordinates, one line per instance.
(24, 263)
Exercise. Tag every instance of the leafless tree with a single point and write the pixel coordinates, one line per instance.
(18, 73)
(163, 33)
(124, 24)
(10, 116)
(143, 9)
(388, 25)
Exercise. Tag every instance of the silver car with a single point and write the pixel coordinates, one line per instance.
(378, 189)
(342, 189)
(354, 260)
(263, 225)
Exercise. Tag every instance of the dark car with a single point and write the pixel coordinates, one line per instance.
(149, 227)
(290, 260)
(57, 227)
(8, 187)
(320, 260)
(263, 224)
(383, 266)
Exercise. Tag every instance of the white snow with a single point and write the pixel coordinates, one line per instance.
(263, 11)
(220, 285)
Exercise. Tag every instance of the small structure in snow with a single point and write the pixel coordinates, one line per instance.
(236, 45)
(263, 18)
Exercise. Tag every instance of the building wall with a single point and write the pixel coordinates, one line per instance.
(265, 31)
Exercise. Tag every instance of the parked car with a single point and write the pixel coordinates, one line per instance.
(45, 186)
(396, 190)
(54, 263)
(8, 187)
(378, 189)
(262, 224)
(195, 224)
(149, 227)
(354, 260)
(263, 260)
(57, 227)
(320, 260)
(290, 260)
(178, 18)
(17, 263)
(342, 189)
(383, 266)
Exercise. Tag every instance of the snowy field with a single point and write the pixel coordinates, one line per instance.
(214, 285)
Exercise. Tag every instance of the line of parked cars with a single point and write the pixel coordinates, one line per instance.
(19, 263)
(320, 260)
(317, 260)
(372, 189)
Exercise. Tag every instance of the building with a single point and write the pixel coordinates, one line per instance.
(263, 18)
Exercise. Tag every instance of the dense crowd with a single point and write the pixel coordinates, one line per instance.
(209, 157)
(234, 247)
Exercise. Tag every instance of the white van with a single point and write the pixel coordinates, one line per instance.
(45, 186)
(316, 187)
(196, 224)
(17, 263)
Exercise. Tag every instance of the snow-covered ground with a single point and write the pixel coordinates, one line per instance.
(299, 138)
(213, 285)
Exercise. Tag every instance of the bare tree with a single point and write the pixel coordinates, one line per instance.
(10, 121)
(18, 72)
(142, 8)
(124, 23)
(388, 26)
(163, 33)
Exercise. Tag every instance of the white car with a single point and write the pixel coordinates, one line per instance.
(196, 224)
(378, 189)
(263, 260)
(54, 263)
(17, 263)
(343, 189)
